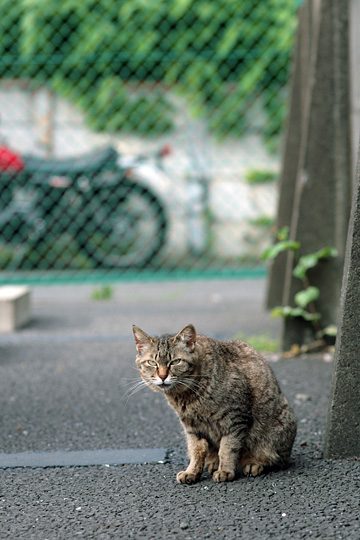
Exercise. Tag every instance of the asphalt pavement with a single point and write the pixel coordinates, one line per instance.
(64, 390)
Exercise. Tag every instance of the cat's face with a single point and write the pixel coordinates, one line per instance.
(167, 363)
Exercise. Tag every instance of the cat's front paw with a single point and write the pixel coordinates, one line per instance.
(184, 477)
(223, 476)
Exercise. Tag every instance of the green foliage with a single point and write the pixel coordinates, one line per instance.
(283, 233)
(111, 107)
(310, 261)
(330, 331)
(260, 342)
(105, 292)
(260, 176)
(263, 222)
(302, 300)
(284, 245)
(288, 311)
(223, 55)
(306, 298)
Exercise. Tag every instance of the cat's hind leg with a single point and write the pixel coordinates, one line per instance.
(252, 469)
(254, 463)
(274, 449)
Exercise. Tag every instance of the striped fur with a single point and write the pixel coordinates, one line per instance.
(227, 398)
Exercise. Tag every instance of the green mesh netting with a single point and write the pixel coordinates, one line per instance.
(91, 91)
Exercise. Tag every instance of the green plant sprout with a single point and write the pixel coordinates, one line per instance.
(304, 300)
(260, 176)
(263, 221)
(261, 342)
(105, 292)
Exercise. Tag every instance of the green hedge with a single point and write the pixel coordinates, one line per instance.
(108, 56)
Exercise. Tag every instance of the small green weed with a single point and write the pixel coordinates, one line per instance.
(261, 342)
(263, 222)
(260, 176)
(105, 292)
(305, 300)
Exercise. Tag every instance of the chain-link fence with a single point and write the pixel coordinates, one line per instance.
(140, 136)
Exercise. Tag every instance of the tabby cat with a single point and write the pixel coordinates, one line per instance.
(227, 398)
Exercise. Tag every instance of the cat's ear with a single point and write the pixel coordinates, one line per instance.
(142, 339)
(188, 336)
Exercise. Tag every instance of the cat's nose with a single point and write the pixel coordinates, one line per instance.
(163, 372)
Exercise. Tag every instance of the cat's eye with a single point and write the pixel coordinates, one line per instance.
(176, 361)
(151, 363)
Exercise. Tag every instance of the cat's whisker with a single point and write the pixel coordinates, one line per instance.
(190, 381)
(201, 376)
(134, 388)
(188, 386)
(131, 395)
(135, 383)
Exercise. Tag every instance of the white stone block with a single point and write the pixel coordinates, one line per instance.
(15, 307)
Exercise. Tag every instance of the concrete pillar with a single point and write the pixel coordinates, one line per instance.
(354, 19)
(343, 425)
(295, 127)
(322, 193)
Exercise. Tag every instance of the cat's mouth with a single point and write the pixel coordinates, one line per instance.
(163, 385)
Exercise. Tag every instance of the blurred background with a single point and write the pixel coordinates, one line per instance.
(140, 138)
